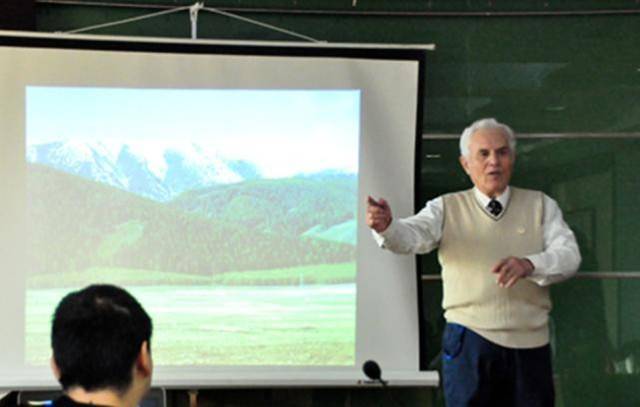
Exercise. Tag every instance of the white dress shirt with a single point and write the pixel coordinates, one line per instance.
(422, 232)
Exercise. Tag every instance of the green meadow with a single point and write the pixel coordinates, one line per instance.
(233, 320)
(314, 274)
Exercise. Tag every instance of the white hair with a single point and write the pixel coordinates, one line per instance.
(489, 123)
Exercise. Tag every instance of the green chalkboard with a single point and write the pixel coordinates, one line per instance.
(552, 68)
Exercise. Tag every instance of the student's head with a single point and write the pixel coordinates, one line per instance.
(101, 341)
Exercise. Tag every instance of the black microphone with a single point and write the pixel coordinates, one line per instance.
(372, 370)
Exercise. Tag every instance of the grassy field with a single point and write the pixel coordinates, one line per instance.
(314, 274)
(229, 325)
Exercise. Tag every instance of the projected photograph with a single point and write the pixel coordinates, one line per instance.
(230, 215)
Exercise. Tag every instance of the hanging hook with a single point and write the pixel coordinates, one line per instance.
(193, 15)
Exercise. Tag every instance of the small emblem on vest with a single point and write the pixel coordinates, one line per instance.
(521, 230)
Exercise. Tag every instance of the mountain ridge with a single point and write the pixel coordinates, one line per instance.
(160, 174)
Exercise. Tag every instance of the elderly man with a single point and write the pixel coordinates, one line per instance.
(101, 354)
(499, 248)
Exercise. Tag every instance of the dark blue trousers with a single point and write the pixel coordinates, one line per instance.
(477, 372)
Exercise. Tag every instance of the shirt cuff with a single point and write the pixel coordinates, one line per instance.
(383, 236)
(538, 275)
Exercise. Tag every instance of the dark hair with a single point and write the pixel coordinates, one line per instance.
(96, 337)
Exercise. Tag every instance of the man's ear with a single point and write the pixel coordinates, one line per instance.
(464, 163)
(143, 362)
(54, 368)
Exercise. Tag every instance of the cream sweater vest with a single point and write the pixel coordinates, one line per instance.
(472, 243)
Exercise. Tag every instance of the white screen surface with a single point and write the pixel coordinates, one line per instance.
(225, 192)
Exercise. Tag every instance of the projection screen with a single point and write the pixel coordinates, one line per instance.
(224, 186)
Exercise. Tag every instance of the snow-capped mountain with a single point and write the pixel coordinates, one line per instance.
(191, 167)
(139, 177)
(94, 161)
(159, 173)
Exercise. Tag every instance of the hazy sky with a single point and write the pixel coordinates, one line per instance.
(282, 131)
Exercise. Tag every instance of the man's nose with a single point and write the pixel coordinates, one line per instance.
(493, 159)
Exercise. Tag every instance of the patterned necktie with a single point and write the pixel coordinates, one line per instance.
(495, 207)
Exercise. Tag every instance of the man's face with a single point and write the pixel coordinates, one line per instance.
(490, 161)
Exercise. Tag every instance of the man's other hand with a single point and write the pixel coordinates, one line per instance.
(378, 214)
(512, 269)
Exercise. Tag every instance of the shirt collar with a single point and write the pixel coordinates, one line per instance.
(484, 200)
